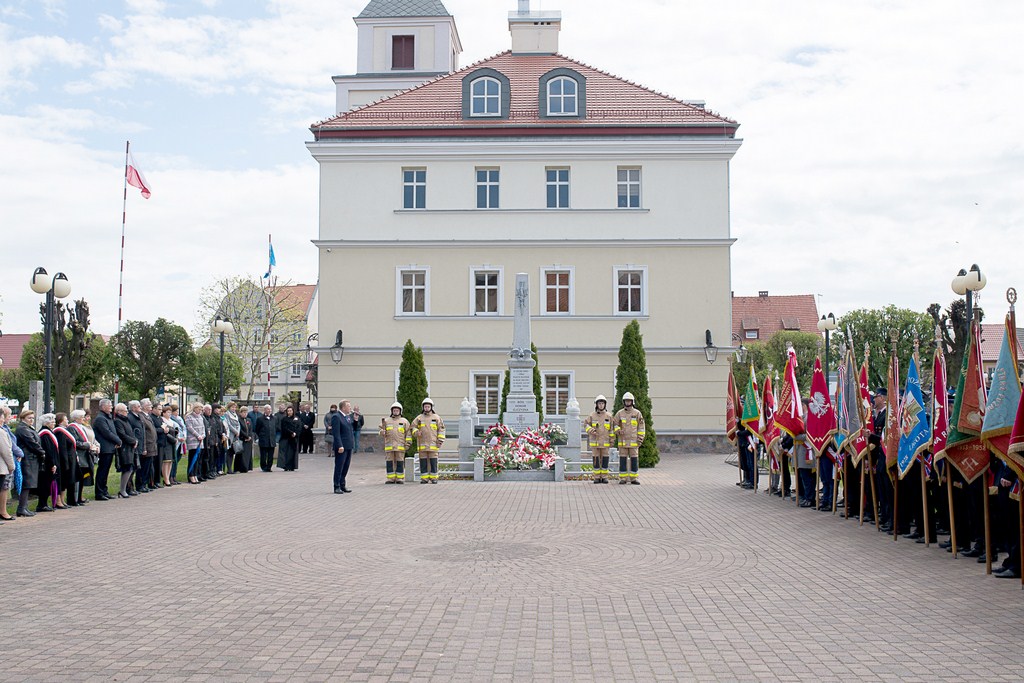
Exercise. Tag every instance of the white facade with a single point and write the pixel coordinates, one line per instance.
(407, 252)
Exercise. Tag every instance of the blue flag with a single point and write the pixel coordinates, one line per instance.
(272, 263)
(915, 428)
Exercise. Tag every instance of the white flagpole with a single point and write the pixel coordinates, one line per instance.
(120, 281)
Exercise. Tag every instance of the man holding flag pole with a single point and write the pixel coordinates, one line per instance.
(750, 420)
(915, 435)
(821, 422)
(789, 418)
(1001, 412)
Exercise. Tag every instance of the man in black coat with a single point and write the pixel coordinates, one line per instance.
(343, 441)
(106, 435)
(308, 421)
(265, 439)
(135, 420)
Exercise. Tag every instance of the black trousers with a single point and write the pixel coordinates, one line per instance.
(142, 474)
(102, 472)
(306, 441)
(266, 458)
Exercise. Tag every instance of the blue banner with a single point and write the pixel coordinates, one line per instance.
(915, 428)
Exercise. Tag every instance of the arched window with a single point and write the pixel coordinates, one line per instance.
(562, 97)
(485, 97)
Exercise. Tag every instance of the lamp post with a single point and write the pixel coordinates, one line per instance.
(827, 324)
(965, 284)
(222, 326)
(710, 350)
(56, 287)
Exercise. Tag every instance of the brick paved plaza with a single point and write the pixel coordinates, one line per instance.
(270, 576)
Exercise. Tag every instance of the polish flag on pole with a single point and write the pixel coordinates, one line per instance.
(135, 177)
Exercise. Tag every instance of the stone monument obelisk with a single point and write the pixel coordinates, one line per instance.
(521, 403)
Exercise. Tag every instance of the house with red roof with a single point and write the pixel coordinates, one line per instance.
(757, 318)
(611, 196)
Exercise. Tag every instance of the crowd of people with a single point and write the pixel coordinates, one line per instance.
(872, 494)
(57, 456)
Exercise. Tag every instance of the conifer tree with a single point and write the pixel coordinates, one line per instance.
(538, 386)
(412, 382)
(631, 376)
(504, 396)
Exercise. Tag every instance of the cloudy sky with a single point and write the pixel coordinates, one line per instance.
(884, 140)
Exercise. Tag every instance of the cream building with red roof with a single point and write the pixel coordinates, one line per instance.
(614, 199)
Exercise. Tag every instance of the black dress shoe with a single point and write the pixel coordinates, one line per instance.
(976, 551)
(83, 502)
(913, 536)
(8, 519)
(806, 504)
(946, 544)
(24, 513)
(122, 495)
(1007, 573)
(338, 491)
(45, 508)
(133, 493)
(346, 490)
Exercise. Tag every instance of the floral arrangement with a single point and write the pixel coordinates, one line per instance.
(527, 450)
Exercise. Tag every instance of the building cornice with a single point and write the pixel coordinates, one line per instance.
(561, 146)
(503, 350)
(492, 243)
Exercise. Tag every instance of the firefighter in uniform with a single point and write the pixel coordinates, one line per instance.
(598, 427)
(397, 437)
(429, 429)
(629, 432)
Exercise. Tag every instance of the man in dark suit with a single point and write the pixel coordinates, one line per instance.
(343, 441)
(265, 439)
(106, 435)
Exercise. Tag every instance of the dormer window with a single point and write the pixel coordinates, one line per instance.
(485, 97)
(562, 97)
(562, 94)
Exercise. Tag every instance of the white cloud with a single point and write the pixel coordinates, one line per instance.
(882, 139)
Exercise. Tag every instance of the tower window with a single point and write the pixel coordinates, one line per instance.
(403, 52)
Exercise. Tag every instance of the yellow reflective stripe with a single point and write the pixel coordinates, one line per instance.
(623, 475)
(401, 430)
(633, 422)
(388, 428)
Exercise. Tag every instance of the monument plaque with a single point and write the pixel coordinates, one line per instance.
(521, 381)
(521, 403)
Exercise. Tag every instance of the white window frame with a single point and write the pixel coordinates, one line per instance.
(558, 183)
(406, 411)
(639, 183)
(544, 389)
(473, 270)
(398, 290)
(645, 304)
(296, 364)
(473, 97)
(563, 98)
(414, 184)
(473, 374)
(544, 290)
(488, 184)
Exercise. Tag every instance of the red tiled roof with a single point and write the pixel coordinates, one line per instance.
(992, 342)
(11, 346)
(296, 297)
(610, 102)
(771, 314)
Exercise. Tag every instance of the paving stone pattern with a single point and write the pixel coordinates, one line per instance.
(272, 577)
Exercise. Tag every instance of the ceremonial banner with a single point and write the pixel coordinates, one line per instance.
(964, 450)
(731, 417)
(859, 447)
(940, 406)
(1016, 448)
(751, 404)
(821, 416)
(852, 413)
(972, 407)
(915, 432)
(789, 412)
(769, 430)
(1004, 400)
(891, 435)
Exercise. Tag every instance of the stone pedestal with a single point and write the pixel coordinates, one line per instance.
(521, 403)
(573, 447)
